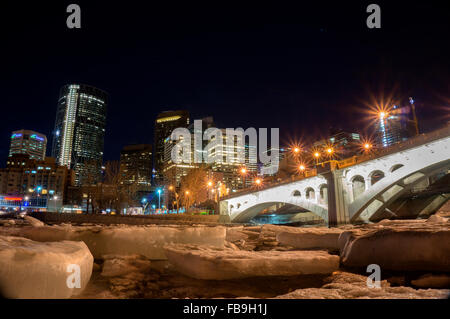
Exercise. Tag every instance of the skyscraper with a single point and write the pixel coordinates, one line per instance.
(28, 142)
(136, 166)
(165, 123)
(78, 138)
(395, 126)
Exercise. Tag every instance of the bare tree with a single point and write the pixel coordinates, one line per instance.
(194, 187)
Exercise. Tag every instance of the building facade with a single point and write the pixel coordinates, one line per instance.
(344, 144)
(28, 177)
(78, 137)
(225, 159)
(395, 126)
(28, 142)
(165, 123)
(136, 166)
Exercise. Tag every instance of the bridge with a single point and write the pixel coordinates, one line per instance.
(362, 188)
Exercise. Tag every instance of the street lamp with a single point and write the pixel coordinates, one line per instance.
(243, 172)
(258, 181)
(159, 198)
(330, 151)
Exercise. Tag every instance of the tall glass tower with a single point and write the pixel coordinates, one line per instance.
(78, 137)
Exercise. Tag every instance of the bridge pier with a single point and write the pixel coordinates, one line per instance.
(337, 198)
(224, 216)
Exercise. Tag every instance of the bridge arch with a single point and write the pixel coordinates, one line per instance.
(296, 193)
(323, 194)
(395, 167)
(379, 196)
(375, 176)
(358, 186)
(310, 194)
(249, 212)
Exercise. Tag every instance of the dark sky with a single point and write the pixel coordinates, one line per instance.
(299, 67)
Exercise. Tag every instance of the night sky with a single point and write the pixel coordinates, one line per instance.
(298, 67)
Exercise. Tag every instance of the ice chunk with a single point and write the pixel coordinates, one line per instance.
(115, 266)
(33, 221)
(405, 249)
(30, 269)
(308, 238)
(437, 219)
(205, 262)
(432, 281)
(129, 240)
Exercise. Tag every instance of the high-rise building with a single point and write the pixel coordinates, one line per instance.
(28, 142)
(395, 126)
(227, 160)
(78, 137)
(136, 166)
(165, 123)
(344, 144)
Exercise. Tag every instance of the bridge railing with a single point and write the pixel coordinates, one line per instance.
(414, 141)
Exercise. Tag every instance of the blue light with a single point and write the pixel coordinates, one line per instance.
(34, 136)
(153, 206)
(159, 191)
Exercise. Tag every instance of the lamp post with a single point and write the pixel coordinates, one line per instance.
(317, 155)
(243, 172)
(159, 198)
(416, 124)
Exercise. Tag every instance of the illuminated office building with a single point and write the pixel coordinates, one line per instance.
(395, 126)
(165, 123)
(136, 166)
(28, 142)
(78, 137)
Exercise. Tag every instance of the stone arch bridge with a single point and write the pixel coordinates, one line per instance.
(361, 189)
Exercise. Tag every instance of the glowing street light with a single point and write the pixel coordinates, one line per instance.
(258, 181)
(330, 150)
(243, 171)
(367, 146)
(302, 167)
(159, 197)
(382, 115)
(296, 150)
(210, 184)
(187, 193)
